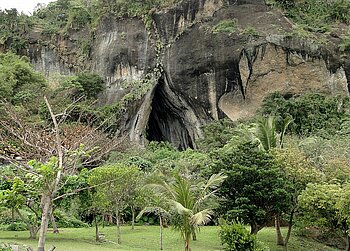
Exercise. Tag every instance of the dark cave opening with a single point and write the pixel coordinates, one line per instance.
(167, 121)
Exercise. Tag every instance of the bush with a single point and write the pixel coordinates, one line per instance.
(17, 226)
(5, 247)
(344, 45)
(6, 216)
(228, 26)
(65, 221)
(235, 237)
(316, 15)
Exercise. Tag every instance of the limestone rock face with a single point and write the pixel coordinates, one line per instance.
(122, 52)
(203, 75)
(271, 69)
(47, 61)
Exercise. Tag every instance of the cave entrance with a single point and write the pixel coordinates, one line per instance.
(167, 121)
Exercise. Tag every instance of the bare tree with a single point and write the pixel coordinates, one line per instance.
(72, 146)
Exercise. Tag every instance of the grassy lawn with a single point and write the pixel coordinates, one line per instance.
(147, 238)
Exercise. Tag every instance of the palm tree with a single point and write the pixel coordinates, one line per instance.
(189, 202)
(161, 212)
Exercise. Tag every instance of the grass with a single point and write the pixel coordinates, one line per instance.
(225, 26)
(147, 238)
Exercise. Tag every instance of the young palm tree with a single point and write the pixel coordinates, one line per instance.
(189, 202)
(267, 134)
(157, 206)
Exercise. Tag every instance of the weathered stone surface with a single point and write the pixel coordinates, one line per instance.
(172, 22)
(122, 52)
(47, 61)
(272, 69)
(205, 75)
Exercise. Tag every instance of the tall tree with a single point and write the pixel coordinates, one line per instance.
(299, 172)
(255, 188)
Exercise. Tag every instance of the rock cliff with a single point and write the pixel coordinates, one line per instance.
(188, 72)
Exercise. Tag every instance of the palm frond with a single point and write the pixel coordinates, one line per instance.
(207, 190)
(286, 123)
(181, 209)
(148, 210)
(160, 186)
(266, 133)
(182, 191)
(202, 217)
(214, 181)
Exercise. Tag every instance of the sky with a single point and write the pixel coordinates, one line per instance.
(26, 6)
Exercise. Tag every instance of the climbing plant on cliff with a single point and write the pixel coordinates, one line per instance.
(316, 15)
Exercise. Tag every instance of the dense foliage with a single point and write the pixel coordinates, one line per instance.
(13, 26)
(312, 113)
(316, 15)
(19, 83)
(255, 188)
(235, 237)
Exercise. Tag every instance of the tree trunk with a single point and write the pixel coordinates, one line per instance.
(187, 242)
(194, 235)
(118, 227)
(279, 237)
(32, 229)
(161, 232)
(132, 218)
(46, 200)
(54, 225)
(290, 225)
(96, 229)
(347, 241)
(13, 215)
(254, 229)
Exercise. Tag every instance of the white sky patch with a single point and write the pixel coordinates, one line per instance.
(27, 6)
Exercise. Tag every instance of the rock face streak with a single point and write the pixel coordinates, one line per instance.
(204, 75)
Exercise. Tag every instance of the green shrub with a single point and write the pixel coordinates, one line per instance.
(65, 221)
(17, 226)
(339, 11)
(5, 247)
(235, 237)
(6, 216)
(19, 82)
(84, 84)
(316, 15)
(250, 32)
(286, 3)
(344, 45)
(226, 26)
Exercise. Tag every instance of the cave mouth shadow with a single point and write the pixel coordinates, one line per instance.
(167, 120)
